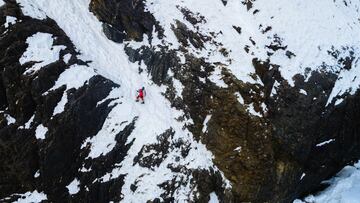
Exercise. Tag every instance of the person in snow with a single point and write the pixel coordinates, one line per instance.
(140, 95)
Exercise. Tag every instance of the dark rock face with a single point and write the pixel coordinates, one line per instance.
(57, 159)
(124, 19)
(151, 156)
(157, 62)
(184, 35)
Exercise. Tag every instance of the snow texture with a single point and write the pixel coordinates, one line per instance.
(348, 82)
(302, 176)
(213, 198)
(73, 187)
(28, 124)
(10, 119)
(326, 142)
(302, 91)
(29, 8)
(61, 105)
(179, 87)
(41, 51)
(239, 98)
(237, 149)
(205, 124)
(67, 58)
(40, 132)
(10, 20)
(2, 2)
(216, 78)
(274, 88)
(74, 77)
(33, 197)
(37, 174)
(252, 110)
(344, 188)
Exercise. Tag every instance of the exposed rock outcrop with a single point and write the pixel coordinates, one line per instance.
(125, 19)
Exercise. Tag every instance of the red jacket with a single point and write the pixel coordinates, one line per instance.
(141, 93)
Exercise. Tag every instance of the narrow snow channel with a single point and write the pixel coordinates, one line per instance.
(154, 117)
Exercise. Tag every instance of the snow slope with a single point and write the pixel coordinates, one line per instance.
(304, 27)
(40, 50)
(34, 196)
(344, 188)
(153, 118)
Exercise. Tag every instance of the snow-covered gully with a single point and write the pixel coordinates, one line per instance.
(153, 118)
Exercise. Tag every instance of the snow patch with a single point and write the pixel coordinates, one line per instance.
(114, 95)
(237, 149)
(274, 88)
(347, 82)
(104, 141)
(10, 119)
(302, 91)
(10, 20)
(41, 131)
(264, 107)
(41, 51)
(27, 124)
(213, 198)
(74, 77)
(252, 110)
(61, 105)
(85, 170)
(178, 87)
(67, 58)
(73, 187)
(302, 176)
(205, 124)
(2, 3)
(344, 188)
(37, 174)
(33, 197)
(339, 101)
(239, 98)
(216, 77)
(326, 142)
(29, 8)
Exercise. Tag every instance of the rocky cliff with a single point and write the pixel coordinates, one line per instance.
(247, 101)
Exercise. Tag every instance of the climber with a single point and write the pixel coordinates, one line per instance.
(140, 95)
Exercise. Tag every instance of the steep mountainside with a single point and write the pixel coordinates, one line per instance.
(246, 100)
